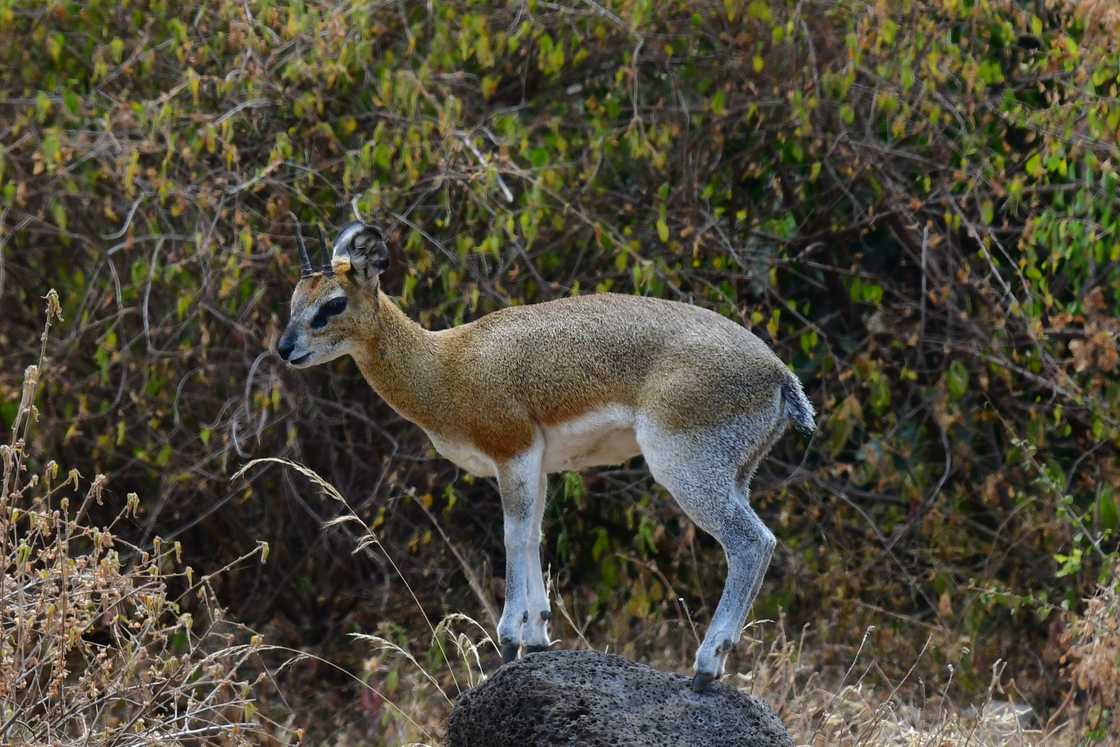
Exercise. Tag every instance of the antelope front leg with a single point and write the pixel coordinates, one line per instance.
(519, 481)
(535, 633)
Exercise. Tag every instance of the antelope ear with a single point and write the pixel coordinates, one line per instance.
(360, 250)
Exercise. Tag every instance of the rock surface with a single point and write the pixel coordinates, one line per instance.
(591, 699)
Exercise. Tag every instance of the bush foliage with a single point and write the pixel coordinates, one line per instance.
(94, 646)
(913, 201)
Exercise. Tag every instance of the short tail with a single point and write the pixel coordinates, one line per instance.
(797, 407)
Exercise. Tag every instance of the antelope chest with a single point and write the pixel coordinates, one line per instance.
(463, 454)
(597, 438)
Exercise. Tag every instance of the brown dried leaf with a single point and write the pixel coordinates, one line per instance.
(1106, 351)
(1094, 300)
(1082, 352)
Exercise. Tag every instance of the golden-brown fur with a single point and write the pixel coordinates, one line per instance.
(491, 381)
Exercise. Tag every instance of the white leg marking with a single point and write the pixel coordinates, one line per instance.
(535, 633)
(519, 481)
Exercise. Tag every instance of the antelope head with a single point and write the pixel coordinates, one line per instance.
(334, 303)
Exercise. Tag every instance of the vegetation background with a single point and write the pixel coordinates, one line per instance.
(913, 201)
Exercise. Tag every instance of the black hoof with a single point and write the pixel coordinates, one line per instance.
(700, 681)
(535, 649)
(509, 652)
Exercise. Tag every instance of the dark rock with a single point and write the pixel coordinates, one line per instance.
(591, 699)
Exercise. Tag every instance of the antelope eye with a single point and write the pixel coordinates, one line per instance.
(333, 307)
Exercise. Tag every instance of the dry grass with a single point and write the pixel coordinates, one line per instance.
(95, 647)
(859, 706)
(863, 707)
(1101, 17)
(1093, 659)
(816, 710)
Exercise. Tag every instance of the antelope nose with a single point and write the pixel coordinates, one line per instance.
(285, 347)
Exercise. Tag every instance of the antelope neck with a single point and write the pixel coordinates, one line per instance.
(401, 362)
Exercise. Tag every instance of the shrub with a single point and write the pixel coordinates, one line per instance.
(94, 646)
(912, 201)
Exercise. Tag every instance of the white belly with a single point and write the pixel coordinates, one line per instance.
(597, 438)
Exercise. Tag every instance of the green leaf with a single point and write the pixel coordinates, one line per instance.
(887, 31)
(871, 293)
(987, 211)
(662, 230)
(907, 77)
(573, 487)
(1034, 166)
(808, 342)
(957, 380)
(538, 157)
(58, 213)
(54, 46)
(602, 544)
(718, 103)
(51, 148)
(8, 412)
(1071, 563)
(991, 72)
(880, 393)
(1108, 514)
(760, 10)
(72, 101)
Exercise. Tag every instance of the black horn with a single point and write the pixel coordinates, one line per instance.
(325, 248)
(304, 258)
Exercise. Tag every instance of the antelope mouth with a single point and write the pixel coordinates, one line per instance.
(297, 361)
